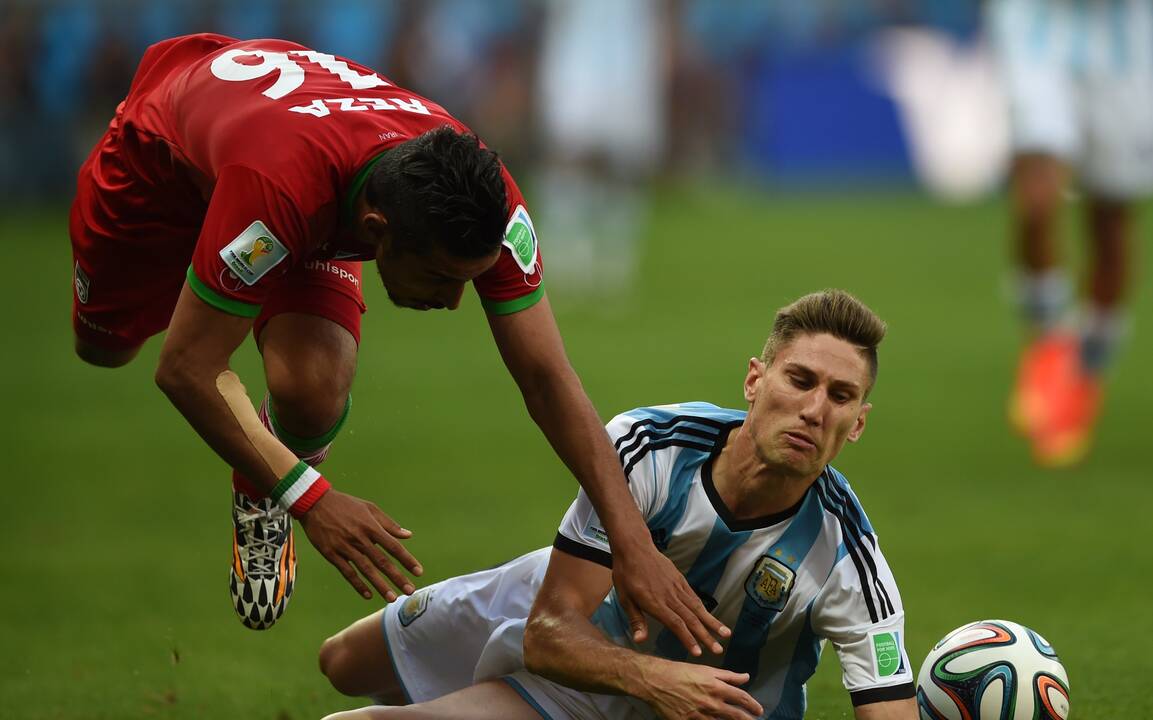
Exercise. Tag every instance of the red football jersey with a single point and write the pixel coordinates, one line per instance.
(277, 139)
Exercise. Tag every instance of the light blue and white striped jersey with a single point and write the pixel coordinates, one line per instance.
(1078, 77)
(1083, 37)
(783, 583)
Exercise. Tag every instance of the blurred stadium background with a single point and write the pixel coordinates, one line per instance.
(782, 147)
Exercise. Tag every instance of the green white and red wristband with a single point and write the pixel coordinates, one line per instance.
(299, 490)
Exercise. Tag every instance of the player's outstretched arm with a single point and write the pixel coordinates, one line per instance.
(349, 532)
(889, 710)
(561, 644)
(531, 347)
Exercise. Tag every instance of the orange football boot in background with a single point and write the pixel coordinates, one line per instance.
(1067, 435)
(1047, 367)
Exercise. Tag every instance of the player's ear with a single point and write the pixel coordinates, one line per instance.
(375, 224)
(859, 425)
(755, 373)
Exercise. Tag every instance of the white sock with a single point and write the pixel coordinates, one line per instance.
(1102, 332)
(1044, 298)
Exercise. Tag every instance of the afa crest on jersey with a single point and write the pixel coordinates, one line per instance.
(770, 582)
(414, 606)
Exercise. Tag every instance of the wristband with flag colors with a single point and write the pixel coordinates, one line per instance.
(299, 490)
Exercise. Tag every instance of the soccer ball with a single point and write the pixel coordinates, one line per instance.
(993, 670)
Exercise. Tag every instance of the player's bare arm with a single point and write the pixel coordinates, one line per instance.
(563, 645)
(349, 532)
(531, 347)
(889, 710)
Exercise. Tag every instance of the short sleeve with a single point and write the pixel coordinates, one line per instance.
(581, 532)
(515, 282)
(860, 612)
(252, 235)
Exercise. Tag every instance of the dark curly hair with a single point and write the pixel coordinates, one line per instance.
(441, 189)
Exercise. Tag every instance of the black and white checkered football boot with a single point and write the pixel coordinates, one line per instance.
(263, 560)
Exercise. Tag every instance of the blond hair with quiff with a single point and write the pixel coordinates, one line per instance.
(834, 312)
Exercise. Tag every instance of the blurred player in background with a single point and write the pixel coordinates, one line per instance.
(602, 101)
(1080, 82)
(237, 190)
(745, 504)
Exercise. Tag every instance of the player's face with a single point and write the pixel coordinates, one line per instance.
(804, 406)
(433, 281)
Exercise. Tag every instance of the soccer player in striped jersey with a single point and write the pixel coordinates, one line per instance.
(744, 503)
(1079, 77)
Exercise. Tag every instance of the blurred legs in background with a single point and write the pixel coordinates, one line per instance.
(1080, 85)
(603, 84)
(1051, 382)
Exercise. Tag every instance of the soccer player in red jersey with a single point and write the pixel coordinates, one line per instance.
(238, 189)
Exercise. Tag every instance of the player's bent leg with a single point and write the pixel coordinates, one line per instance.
(309, 364)
(124, 289)
(492, 700)
(307, 333)
(357, 662)
(104, 357)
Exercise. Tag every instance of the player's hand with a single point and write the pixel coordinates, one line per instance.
(648, 582)
(354, 535)
(682, 691)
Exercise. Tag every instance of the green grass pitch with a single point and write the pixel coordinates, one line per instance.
(114, 538)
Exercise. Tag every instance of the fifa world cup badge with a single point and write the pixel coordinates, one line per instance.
(253, 253)
(770, 582)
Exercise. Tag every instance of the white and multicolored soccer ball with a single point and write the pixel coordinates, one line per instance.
(993, 670)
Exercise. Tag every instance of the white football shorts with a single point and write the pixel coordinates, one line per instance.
(1079, 80)
(557, 702)
(469, 629)
(446, 636)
